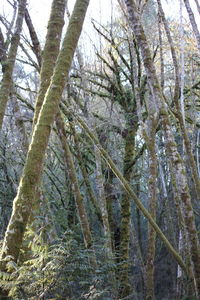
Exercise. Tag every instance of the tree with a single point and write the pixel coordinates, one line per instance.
(9, 61)
(193, 22)
(108, 202)
(177, 163)
(32, 171)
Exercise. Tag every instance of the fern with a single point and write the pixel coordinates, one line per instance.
(59, 271)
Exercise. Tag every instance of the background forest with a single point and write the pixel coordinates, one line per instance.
(100, 152)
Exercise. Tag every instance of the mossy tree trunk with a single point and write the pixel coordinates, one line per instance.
(152, 188)
(111, 200)
(125, 288)
(193, 22)
(2, 48)
(9, 62)
(46, 64)
(179, 174)
(50, 51)
(149, 128)
(89, 189)
(180, 116)
(178, 113)
(183, 244)
(23, 139)
(104, 213)
(16, 109)
(132, 195)
(75, 188)
(102, 202)
(178, 165)
(46, 59)
(32, 172)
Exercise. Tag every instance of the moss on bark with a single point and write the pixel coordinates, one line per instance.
(34, 163)
(178, 165)
(50, 52)
(9, 63)
(125, 287)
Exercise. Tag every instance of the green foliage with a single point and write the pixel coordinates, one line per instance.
(61, 271)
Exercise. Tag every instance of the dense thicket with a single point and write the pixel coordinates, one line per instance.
(100, 154)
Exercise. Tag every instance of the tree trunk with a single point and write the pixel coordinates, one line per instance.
(152, 187)
(178, 166)
(9, 63)
(132, 195)
(193, 22)
(102, 202)
(75, 188)
(50, 52)
(34, 164)
(125, 287)
(198, 5)
(179, 113)
(33, 35)
(162, 77)
(89, 189)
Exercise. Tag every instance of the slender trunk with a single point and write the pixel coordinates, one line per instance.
(179, 114)
(185, 249)
(152, 187)
(9, 63)
(46, 61)
(2, 49)
(138, 256)
(197, 152)
(149, 133)
(102, 202)
(179, 172)
(162, 78)
(172, 49)
(125, 287)
(182, 63)
(50, 51)
(139, 233)
(193, 22)
(110, 202)
(36, 44)
(86, 179)
(34, 164)
(104, 213)
(188, 147)
(132, 195)
(178, 166)
(198, 5)
(75, 188)
(19, 124)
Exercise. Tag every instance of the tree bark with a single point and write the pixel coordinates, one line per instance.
(50, 52)
(24, 200)
(75, 188)
(90, 192)
(173, 52)
(9, 63)
(125, 287)
(178, 166)
(36, 44)
(162, 77)
(179, 114)
(198, 5)
(152, 187)
(132, 195)
(102, 202)
(193, 22)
